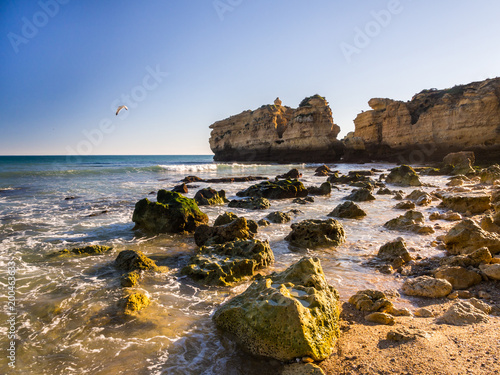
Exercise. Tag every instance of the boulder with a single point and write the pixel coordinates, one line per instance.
(466, 237)
(86, 250)
(130, 260)
(491, 223)
(235, 230)
(292, 174)
(463, 313)
(405, 205)
(130, 279)
(250, 203)
(316, 233)
(305, 200)
(403, 175)
(278, 217)
(348, 210)
(323, 170)
(324, 189)
(459, 277)
(172, 213)
(474, 259)
(225, 218)
(182, 188)
(210, 197)
(385, 191)
(393, 250)
(426, 286)
(370, 300)
(466, 202)
(350, 178)
(229, 263)
(421, 198)
(133, 303)
(280, 189)
(490, 175)
(360, 195)
(263, 223)
(462, 162)
(380, 318)
(412, 221)
(448, 216)
(491, 270)
(294, 313)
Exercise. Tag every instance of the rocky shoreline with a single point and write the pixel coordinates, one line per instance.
(295, 316)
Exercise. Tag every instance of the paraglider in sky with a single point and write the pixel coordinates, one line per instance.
(120, 108)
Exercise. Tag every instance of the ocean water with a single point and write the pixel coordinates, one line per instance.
(65, 310)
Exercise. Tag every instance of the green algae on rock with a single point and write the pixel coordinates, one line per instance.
(130, 260)
(172, 213)
(86, 250)
(316, 233)
(403, 175)
(210, 197)
(229, 263)
(294, 313)
(236, 229)
(134, 302)
(275, 190)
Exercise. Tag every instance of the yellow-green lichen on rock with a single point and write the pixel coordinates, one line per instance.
(134, 302)
(294, 313)
(86, 250)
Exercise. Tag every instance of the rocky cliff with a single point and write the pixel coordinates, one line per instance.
(434, 123)
(279, 133)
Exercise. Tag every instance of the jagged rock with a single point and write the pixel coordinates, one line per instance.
(278, 217)
(406, 205)
(182, 188)
(411, 221)
(130, 260)
(236, 229)
(426, 286)
(86, 250)
(172, 213)
(292, 174)
(380, 318)
(349, 179)
(250, 203)
(360, 195)
(474, 259)
(462, 162)
(210, 197)
(315, 233)
(424, 313)
(472, 202)
(256, 318)
(403, 175)
(406, 334)
(263, 223)
(371, 300)
(275, 190)
(324, 189)
(466, 237)
(459, 277)
(229, 263)
(491, 223)
(393, 250)
(491, 270)
(398, 196)
(348, 210)
(448, 216)
(463, 313)
(385, 191)
(130, 279)
(134, 302)
(323, 170)
(490, 175)
(305, 200)
(225, 218)
(279, 134)
(421, 198)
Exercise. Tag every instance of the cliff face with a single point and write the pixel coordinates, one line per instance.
(278, 133)
(432, 124)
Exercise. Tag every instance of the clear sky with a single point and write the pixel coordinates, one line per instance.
(65, 65)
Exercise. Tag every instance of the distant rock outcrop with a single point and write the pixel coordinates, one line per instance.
(434, 123)
(279, 133)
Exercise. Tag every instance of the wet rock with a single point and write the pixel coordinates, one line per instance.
(491, 270)
(348, 210)
(463, 313)
(462, 162)
(350, 178)
(322, 171)
(390, 251)
(398, 196)
(292, 174)
(385, 191)
(403, 334)
(459, 277)
(235, 230)
(360, 195)
(305, 200)
(302, 369)
(421, 198)
(380, 318)
(229, 263)
(426, 286)
(473, 202)
(370, 300)
(182, 188)
(403, 175)
(250, 203)
(86, 250)
(324, 189)
(134, 302)
(466, 237)
(225, 218)
(172, 213)
(412, 221)
(275, 190)
(210, 197)
(448, 216)
(130, 260)
(316, 233)
(406, 205)
(263, 223)
(474, 259)
(490, 175)
(278, 217)
(130, 279)
(302, 295)
(189, 179)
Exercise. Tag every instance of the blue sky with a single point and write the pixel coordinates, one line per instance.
(182, 65)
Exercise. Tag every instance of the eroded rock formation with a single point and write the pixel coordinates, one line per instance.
(279, 133)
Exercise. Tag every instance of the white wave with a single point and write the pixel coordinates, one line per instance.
(189, 167)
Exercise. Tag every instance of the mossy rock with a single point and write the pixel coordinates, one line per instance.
(278, 217)
(225, 218)
(280, 189)
(210, 197)
(86, 250)
(287, 315)
(236, 229)
(229, 263)
(130, 279)
(403, 175)
(172, 213)
(130, 260)
(250, 203)
(316, 233)
(134, 302)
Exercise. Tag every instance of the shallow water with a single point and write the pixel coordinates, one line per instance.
(67, 321)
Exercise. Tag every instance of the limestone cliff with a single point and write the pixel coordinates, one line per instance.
(433, 123)
(278, 133)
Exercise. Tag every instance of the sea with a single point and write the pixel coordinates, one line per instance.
(61, 313)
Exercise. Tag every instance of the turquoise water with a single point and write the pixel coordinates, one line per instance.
(66, 308)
